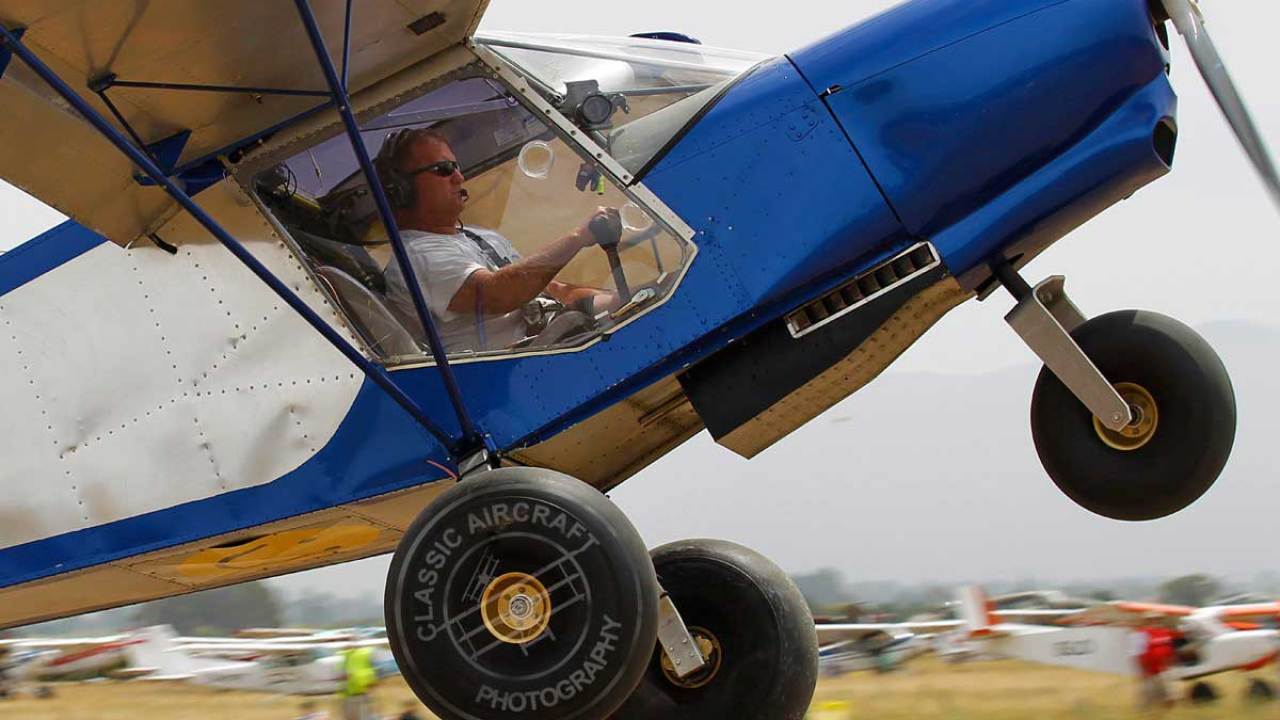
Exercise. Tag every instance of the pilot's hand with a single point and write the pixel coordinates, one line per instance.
(604, 228)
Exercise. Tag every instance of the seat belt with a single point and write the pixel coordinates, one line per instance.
(499, 262)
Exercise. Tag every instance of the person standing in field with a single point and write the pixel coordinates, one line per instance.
(361, 677)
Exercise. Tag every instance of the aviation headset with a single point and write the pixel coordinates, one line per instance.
(397, 186)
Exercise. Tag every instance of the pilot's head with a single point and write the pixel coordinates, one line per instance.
(424, 182)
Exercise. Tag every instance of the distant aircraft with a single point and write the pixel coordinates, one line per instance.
(855, 646)
(474, 282)
(53, 659)
(1210, 640)
(1099, 638)
(295, 667)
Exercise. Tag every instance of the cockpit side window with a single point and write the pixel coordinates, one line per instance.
(517, 242)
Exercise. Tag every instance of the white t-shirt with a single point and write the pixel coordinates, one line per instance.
(442, 263)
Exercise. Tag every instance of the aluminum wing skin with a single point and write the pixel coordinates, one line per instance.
(49, 151)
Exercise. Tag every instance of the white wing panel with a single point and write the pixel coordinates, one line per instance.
(140, 380)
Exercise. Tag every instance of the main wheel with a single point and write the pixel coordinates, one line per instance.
(1260, 690)
(1202, 693)
(1184, 419)
(751, 622)
(521, 593)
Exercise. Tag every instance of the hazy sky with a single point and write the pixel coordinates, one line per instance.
(1199, 245)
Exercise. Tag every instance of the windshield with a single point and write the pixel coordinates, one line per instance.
(656, 86)
(487, 198)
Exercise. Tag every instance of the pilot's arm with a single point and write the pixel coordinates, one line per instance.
(495, 292)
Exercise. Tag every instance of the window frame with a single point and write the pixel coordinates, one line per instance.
(484, 63)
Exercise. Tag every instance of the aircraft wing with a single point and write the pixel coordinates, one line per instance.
(1036, 615)
(67, 645)
(1124, 612)
(1255, 611)
(49, 151)
(279, 647)
(841, 632)
(267, 633)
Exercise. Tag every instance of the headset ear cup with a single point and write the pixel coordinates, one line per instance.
(395, 186)
(403, 191)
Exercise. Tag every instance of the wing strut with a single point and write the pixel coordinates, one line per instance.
(470, 439)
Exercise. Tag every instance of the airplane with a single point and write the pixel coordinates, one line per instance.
(881, 646)
(872, 649)
(1098, 638)
(1214, 639)
(289, 668)
(52, 659)
(226, 366)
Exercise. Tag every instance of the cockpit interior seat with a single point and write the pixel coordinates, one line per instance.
(374, 321)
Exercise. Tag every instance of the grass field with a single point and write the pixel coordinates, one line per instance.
(926, 690)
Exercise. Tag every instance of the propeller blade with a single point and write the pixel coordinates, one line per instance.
(1189, 21)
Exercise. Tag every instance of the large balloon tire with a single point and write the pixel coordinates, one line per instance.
(1192, 436)
(767, 643)
(581, 550)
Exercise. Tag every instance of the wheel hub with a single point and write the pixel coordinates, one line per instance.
(516, 608)
(709, 646)
(1141, 428)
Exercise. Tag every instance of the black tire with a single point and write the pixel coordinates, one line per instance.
(583, 552)
(768, 659)
(1260, 691)
(1189, 445)
(1202, 693)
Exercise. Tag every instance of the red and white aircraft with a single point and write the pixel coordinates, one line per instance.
(50, 659)
(1209, 640)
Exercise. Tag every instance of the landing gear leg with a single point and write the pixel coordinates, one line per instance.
(1133, 414)
(752, 627)
(522, 593)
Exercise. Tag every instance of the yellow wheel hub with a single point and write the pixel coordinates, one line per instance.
(1140, 430)
(516, 608)
(709, 646)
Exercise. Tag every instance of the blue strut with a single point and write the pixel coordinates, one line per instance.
(471, 439)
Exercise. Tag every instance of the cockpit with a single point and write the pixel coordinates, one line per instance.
(525, 150)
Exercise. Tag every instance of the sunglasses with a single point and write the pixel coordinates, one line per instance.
(444, 169)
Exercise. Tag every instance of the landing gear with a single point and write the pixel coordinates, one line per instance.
(1133, 415)
(1182, 428)
(522, 593)
(753, 628)
(1259, 691)
(1202, 693)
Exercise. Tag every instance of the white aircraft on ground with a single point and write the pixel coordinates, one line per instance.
(1209, 640)
(51, 659)
(299, 667)
(858, 646)
(1212, 640)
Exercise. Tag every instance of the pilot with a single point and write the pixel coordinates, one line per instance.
(478, 288)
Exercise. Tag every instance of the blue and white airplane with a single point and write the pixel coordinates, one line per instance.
(348, 279)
